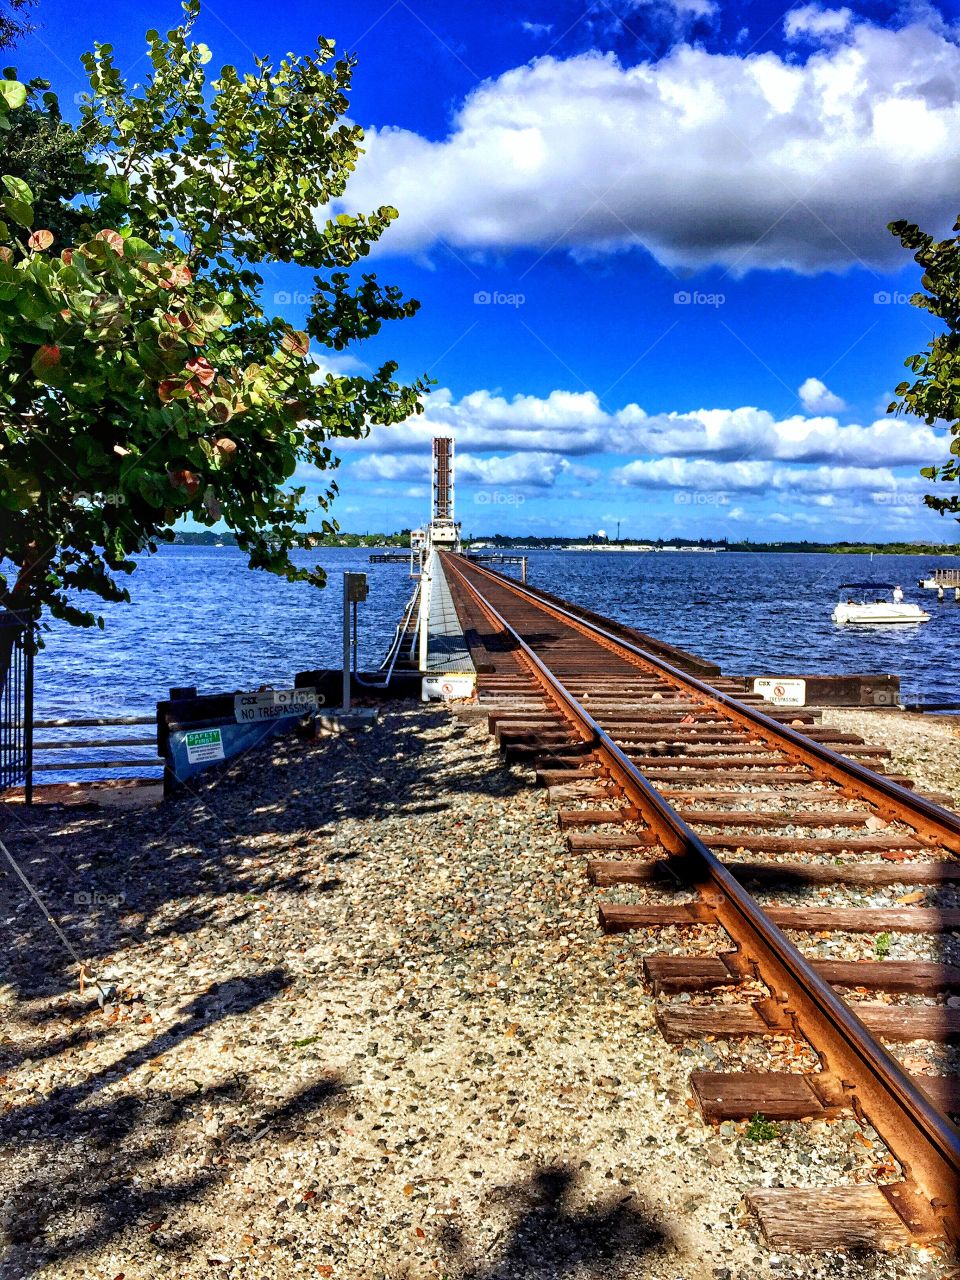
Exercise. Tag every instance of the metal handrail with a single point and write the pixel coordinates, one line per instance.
(393, 652)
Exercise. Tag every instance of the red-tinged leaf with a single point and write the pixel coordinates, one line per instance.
(6, 254)
(40, 240)
(224, 450)
(177, 276)
(46, 364)
(67, 256)
(296, 342)
(167, 389)
(202, 370)
(113, 239)
(183, 479)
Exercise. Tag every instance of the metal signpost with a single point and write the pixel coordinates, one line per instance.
(354, 589)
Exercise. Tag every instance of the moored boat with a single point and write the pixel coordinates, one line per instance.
(877, 603)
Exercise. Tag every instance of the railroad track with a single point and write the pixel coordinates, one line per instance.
(702, 798)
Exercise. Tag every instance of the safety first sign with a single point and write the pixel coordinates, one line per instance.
(782, 693)
(446, 687)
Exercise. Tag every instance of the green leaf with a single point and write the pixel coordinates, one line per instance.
(19, 211)
(17, 188)
(13, 93)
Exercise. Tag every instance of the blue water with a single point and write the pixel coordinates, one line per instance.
(200, 617)
(759, 613)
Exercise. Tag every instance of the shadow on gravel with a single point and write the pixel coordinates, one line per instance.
(97, 1147)
(550, 1238)
(101, 1162)
(268, 822)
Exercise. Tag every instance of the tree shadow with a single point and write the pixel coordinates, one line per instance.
(549, 1237)
(117, 880)
(119, 1146)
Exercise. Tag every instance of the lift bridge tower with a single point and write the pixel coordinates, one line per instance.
(441, 534)
(444, 533)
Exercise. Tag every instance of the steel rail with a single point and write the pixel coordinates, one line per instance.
(930, 820)
(924, 1142)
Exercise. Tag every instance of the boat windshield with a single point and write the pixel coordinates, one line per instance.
(865, 592)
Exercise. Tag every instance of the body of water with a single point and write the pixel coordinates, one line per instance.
(200, 617)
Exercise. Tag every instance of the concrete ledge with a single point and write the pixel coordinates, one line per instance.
(344, 721)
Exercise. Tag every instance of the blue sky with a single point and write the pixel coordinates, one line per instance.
(649, 242)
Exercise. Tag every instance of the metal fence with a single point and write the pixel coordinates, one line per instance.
(16, 704)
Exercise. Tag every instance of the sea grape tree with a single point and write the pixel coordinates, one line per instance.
(934, 396)
(142, 379)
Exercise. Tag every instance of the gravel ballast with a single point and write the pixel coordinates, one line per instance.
(364, 1026)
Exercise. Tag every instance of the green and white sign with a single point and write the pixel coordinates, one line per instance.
(204, 745)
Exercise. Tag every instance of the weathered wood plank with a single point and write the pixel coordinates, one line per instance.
(587, 841)
(771, 1094)
(804, 1219)
(751, 818)
(559, 792)
(725, 1021)
(903, 1023)
(874, 920)
(943, 1092)
(900, 1023)
(670, 974)
(562, 777)
(594, 817)
(810, 844)
(914, 977)
(786, 873)
(619, 917)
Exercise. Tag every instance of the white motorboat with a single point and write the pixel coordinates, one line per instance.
(875, 602)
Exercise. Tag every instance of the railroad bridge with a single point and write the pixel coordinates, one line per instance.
(694, 803)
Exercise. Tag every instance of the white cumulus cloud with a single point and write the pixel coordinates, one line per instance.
(742, 160)
(816, 397)
(815, 20)
(576, 425)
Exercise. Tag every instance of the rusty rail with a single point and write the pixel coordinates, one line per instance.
(856, 1066)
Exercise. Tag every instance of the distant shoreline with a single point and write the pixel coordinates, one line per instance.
(497, 543)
